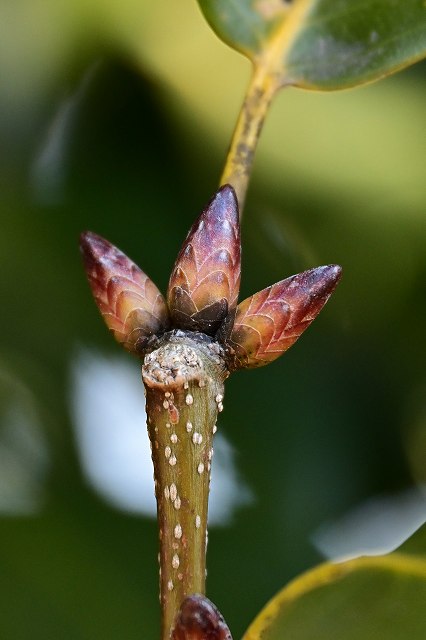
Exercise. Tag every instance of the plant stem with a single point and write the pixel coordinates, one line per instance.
(239, 162)
(183, 376)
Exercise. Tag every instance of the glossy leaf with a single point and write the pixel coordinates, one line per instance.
(376, 598)
(323, 44)
(205, 280)
(130, 303)
(269, 322)
(246, 25)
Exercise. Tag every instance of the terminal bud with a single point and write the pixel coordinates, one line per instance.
(205, 280)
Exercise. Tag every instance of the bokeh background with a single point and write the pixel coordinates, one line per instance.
(116, 117)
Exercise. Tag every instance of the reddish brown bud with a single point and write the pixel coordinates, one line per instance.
(130, 303)
(199, 619)
(269, 322)
(205, 280)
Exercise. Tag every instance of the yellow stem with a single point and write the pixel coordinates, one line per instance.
(239, 161)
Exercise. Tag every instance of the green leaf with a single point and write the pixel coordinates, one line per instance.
(323, 44)
(246, 25)
(376, 598)
(416, 544)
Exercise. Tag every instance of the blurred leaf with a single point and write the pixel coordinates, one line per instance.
(371, 598)
(416, 544)
(323, 44)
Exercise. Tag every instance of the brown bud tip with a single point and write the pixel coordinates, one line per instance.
(199, 619)
(205, 280)
(269, 322)
(130, 303)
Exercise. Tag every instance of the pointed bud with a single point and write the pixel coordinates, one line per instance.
(199, 619)
(130, 303)
(269, 322)
(205, 280)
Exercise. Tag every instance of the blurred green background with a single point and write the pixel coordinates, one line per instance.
(116, 117)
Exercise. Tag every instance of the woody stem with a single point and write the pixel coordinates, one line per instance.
(184, 378)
